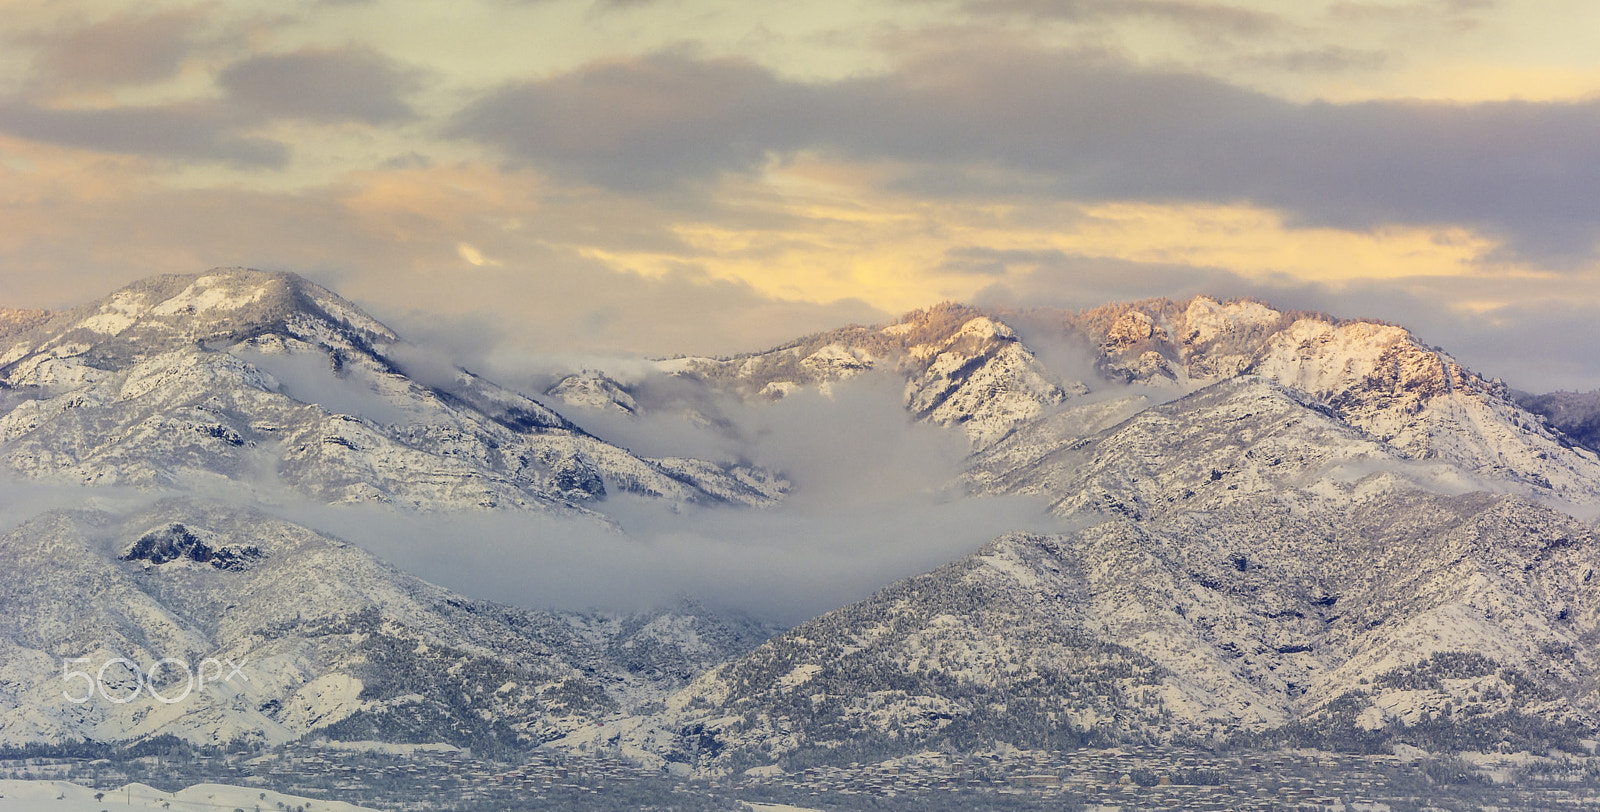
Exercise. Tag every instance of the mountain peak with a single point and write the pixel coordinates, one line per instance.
(233, 303)
(157, 314)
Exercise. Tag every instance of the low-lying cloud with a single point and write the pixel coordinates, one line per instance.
(309, 377)
(872, 502)
(785, 565)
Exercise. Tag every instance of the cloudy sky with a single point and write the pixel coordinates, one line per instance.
(666, 176)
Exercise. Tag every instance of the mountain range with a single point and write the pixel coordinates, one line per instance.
(1268, 527)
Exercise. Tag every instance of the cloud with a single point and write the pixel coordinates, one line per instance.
(869, 508)
(1073, 281)
(982, 261)
(349, 84)
(123, 50)
(1089, 128)
(645, 123)
(554, 302)
(309, 377)
(1207, 18)
(856, 444)
(22, 499)
(781, 566)
(1325, 59)
(1419, 16)
(201, 131)
(390, 242)
(328, 86)
(319, 85)
(472, 256)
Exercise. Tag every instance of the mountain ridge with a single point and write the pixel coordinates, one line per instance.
(179, 378)
(968, 368)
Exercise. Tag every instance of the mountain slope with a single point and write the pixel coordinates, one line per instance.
(1117, 634)
(1377, 377)
(324, 633)
(1242, 564)
(326, 638)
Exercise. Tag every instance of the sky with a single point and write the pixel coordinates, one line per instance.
(591, 177)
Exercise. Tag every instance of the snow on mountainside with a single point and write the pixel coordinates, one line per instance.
(269, 379)
(1244, 565)
(973, 369)
(594, 390)
(1225, 630)
(1377, 377)
(326, 638)
(1287, 528)
(961, 369)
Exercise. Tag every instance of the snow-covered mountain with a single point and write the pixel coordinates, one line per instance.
(326, 639)
(974, 369)
(960, 367)
(270, 380)
(1377, 377)
(1243, 565)
(1283, 527)
(1270, 527)
(216, 392)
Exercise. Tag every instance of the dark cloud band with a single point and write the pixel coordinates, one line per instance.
(205, 132)
(323, 85)
(1088, 128)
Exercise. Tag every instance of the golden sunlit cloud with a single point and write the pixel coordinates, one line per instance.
(1467, 82)
(829, 235)
(1254, 241)
(472, 255)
